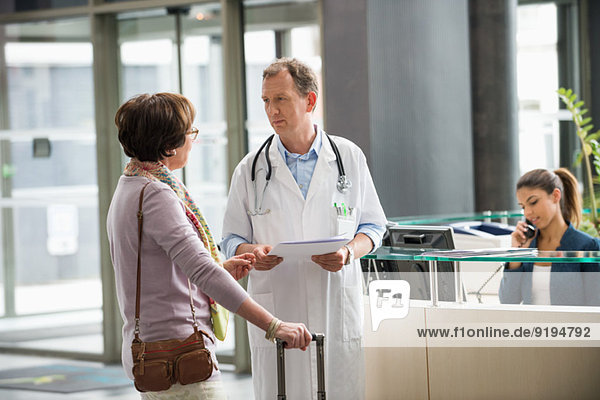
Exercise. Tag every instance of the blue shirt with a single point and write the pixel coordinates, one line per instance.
(576, 284)
(302, 167)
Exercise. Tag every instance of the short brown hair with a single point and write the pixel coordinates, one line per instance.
(150, 125)
(304, 77)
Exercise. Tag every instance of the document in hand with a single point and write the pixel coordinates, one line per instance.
(307, 248)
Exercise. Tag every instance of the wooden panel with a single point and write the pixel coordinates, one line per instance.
(396, 373)
(512, 370)
(396, 361)
(514, 373)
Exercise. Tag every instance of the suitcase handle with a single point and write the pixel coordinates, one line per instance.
(316, 337)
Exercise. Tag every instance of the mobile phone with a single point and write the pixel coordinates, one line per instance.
(530, 229)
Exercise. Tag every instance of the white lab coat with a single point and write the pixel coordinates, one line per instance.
(301, 291)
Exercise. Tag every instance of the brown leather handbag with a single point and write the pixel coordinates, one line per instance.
(158, 365)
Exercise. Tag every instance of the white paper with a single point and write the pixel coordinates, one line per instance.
(307, 248)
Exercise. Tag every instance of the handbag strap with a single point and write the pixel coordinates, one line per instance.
(138, 284)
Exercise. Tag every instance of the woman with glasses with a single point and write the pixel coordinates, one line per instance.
(156, 131)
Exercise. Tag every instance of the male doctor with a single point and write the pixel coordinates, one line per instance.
(297, 203)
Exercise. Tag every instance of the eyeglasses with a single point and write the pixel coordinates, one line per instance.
(193, 132)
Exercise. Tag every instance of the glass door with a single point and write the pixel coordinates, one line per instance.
(186, 57)
(537, 78)
(51, 289)
(293, 37)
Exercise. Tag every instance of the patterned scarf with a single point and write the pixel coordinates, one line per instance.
(156, 171)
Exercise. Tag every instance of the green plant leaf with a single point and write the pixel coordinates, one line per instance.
(578, 159)
(597, 166)
(589, 146)
(592, 137)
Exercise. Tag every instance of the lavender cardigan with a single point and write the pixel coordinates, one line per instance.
(171, 252)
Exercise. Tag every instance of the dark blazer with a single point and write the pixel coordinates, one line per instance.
(568, 285)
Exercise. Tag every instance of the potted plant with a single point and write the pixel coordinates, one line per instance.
(590, 149)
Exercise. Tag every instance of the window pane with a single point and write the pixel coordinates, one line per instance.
(259, 48)
(537, 79)
(306, 46)
(202, 68)
(50, 206)
(144, 71)
(30, 5)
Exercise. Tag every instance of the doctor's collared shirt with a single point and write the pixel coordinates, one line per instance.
(302, 167)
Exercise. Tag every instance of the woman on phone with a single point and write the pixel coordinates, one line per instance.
(552, 203)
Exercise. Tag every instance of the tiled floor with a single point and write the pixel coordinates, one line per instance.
(238, 387)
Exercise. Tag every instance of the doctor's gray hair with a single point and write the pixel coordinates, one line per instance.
(304, 77)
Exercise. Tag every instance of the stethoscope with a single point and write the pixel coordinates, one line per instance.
(343, 183)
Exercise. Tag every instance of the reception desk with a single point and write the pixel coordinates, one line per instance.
(404, 361)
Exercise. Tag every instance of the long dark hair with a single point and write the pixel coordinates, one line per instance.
(570, 201)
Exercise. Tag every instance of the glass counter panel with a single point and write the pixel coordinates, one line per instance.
(391, 253)
(530, 255)
(389, 263)
(534, 256)
(458, 217)
(480, 276)
(449, 218)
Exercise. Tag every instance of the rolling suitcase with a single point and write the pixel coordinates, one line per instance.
(317, 337)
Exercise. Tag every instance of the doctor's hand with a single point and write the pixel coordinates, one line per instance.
(332, 262)
(239, 266)
(263, 261)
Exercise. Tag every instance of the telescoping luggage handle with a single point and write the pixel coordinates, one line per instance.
(317, 337)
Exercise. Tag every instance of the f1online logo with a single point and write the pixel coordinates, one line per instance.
(389, 299)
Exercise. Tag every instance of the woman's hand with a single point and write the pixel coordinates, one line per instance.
(265, 262)
(295, 336)
(518, 238)
(239, 266)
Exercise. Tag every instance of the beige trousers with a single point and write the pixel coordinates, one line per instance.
(210, 390)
